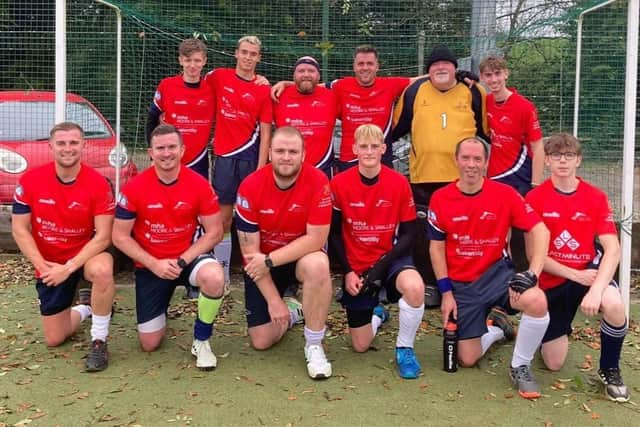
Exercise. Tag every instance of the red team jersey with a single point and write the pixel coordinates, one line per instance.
(574, 221)
(241, 106)
(371, 214)
(314, 115)
(513, 127)
(190, 110)
(62, 215)
(475, 227)
(282, 216)
(359, 105)
(166, 214)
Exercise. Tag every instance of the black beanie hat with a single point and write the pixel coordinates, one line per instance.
(441, 53)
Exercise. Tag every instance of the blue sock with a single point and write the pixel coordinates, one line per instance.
(202, 331)
(611, 340)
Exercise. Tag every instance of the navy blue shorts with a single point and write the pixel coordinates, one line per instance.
(228, 173)
(56, 299)
(201, 165)
(563, 302)
(365, 303)
(475, 299)
(257, 309)
(154, 294)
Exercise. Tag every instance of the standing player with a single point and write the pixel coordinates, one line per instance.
(185, 102)
(243, 131)
(469, 220)
(576, 273)
(284, 213)
(439, 112)
(517, 155)
(374, 221)
(156, 219)
(312, 110)
(61, 222)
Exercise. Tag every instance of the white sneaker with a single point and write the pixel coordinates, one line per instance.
(206, 360)
(318, 366)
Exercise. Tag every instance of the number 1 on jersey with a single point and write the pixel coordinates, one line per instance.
(443, 116)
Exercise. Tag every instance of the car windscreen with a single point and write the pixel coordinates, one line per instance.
(32, 120)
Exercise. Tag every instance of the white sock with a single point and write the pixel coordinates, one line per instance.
(376, 321)
(313, 337)
(100, 327)
(222, 251)
(409, 319)
(494, 334)
(530, 334)
(83, 310)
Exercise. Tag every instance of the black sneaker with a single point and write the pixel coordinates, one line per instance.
(500, 318)
(523, 380)
(98, 357)
(614, 388)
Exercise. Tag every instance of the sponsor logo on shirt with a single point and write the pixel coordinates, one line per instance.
(267, 211)
(294, 105)
(155, 206)
(460, 218)
(182, 205)
(550, 214)
(180, 102)
(356, 204)
(566, 239)
(47, 201)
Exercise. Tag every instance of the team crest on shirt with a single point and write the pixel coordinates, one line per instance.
(242, 202)
(122, 201)
(19, 190)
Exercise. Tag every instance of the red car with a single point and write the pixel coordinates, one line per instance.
(26, 117)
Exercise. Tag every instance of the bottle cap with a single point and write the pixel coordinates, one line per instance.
(451, 326)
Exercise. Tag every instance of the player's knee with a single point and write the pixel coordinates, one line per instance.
(260, 342)
(316, 266)
(534, 302)
(211, 281)
(360, 347)
(100, 274)
(553, 364)
(467, 360)
(54, 339)
(612, 304)
(149, 344)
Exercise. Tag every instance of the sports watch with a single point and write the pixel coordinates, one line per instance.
(268, 262)
(182, 263)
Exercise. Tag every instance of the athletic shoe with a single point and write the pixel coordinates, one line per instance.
(318, 366)
(408, 365)
(84, 296)
(295, 307)
(614, 388)
(522, 378)
(381, 312)
(432, 297)
(205, 359)
(192, 293)
(98, 357)
(498, 317)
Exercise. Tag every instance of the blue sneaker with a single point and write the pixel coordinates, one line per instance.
(381, 312)
(408, 365)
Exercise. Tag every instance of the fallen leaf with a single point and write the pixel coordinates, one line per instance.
(595, 416)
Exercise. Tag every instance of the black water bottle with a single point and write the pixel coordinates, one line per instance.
(450, 347)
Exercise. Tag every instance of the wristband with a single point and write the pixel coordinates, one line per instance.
(445, 285)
